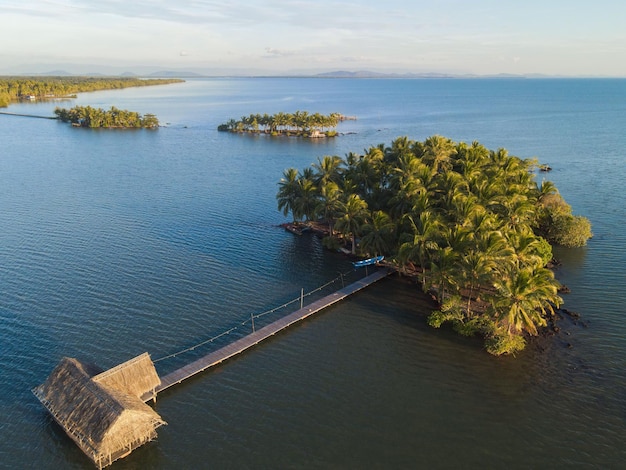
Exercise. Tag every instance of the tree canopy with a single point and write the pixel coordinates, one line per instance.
(298, 123)
(86, 116)
(471, 222)
(16, 88)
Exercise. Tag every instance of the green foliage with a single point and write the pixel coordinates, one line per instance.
(86, 116)
(331, 243)
(298, 123)
(570, 231)
(543, 250)
(501, 343)
(559, 226)
(471, 222)
(5, 99)
(477, 325)
(450, 311)
(453, 311)
(16, 88)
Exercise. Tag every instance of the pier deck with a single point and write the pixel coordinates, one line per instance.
(259, 335)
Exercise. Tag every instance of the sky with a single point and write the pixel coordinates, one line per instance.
(482, 37)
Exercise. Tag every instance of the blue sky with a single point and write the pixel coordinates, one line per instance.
(556, 37)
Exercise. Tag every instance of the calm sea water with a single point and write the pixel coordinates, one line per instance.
(113, 243)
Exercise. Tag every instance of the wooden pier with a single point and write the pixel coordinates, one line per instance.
(28, 115)
(259, 335)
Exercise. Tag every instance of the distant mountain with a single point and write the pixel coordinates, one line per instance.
(175, 74)
(370, 74)
(53, 73)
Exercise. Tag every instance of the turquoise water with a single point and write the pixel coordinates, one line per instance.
(113, 243)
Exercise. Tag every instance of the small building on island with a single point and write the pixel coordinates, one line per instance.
(103, 411)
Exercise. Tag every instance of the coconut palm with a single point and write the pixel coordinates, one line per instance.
(438, 151)
(353, 214)
(307, 198)
(424, 231)
(444, 271)
(327, 169)
(329, 203)
(288, 191)
(477, 269)
(524, 298)
(377, 235)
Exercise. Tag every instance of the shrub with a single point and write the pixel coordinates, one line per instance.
(501, 343)
(570, 231)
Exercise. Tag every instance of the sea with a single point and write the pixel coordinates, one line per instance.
(119, 242)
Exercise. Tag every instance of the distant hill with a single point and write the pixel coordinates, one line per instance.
(370, 74)
(174, 74)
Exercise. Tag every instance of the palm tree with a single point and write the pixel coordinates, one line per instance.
(307, 199)
(288, 191)
(444, 271)
(327, 169)
(329, 203)
(438, 151)
(524, 298)
(477, 269)
(400, 147)
(529, 249)
(424, 229)
(352, 216)
(378, 234)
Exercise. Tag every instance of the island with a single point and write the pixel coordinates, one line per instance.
(470, 224)
(86, 116)
(299, 123)
(14, 89)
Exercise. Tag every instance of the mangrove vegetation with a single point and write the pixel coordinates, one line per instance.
(471, 224)
(299, 123)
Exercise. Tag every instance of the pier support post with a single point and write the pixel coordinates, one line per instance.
(302, 298)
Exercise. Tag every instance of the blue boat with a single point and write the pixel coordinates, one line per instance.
(367, 262)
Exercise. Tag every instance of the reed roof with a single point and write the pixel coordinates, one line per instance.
(135, 377)
(102, 411)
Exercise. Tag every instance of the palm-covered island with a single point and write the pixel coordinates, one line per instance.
(471, 223)
(86, 116)
(299, 123)
(38, 88)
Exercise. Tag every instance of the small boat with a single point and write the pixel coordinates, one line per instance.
(367, 262)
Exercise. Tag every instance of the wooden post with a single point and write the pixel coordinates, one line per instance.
(342, 283)
(302, 298)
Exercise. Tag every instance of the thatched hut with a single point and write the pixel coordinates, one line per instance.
(102, 411)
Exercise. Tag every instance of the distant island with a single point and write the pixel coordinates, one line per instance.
(470, 224)
(299, 123)
(13, 89)
(86, 116)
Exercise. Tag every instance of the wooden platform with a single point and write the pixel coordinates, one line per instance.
(259, 335)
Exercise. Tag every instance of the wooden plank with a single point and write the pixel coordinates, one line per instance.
(240, 345)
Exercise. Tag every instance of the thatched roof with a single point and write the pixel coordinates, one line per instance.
(135, 377)
(103, 414)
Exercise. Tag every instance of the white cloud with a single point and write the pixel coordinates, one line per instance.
(443, 35)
